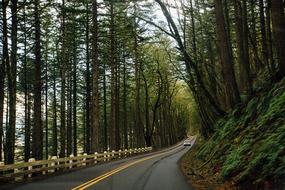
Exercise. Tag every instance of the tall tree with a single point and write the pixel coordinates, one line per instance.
(46, 61)
(230, 87)
(63, 85)
(95, 81)
(54, 119)
(12, 73)
(27, 87)
(138, 120)
(242, 44)
(87, 145)
(264, 47)
(278, 25)
(125, 111)
(74, 96)
(68, 107)
(114, 133)
(269, 36)
(37, 145)
(4, 62)
(105, 108)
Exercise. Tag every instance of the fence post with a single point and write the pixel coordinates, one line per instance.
(126, 152)
(105, 152)
(52, 164)
(131, 151)
(78, 160)
(44, 172)
(120, 153)
(113, 155)
(71, 156)
(84, 159)
(30, 167)
(95, 157)
(109, 155)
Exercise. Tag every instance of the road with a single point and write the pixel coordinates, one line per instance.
(152, 171)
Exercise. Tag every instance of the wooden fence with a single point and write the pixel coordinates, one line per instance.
(23, 170)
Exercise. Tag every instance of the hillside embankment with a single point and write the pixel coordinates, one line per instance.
(247, 150)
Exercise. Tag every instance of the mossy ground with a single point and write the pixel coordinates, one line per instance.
(247, 151)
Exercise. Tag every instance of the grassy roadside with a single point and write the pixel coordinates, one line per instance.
(200, 174)
(247, 151)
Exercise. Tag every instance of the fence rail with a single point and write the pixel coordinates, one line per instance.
(23, 170)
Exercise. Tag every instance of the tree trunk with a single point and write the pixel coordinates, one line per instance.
(263, 36)
(87, 145)
(37, 144)
(69, 114)
(105, 110)
(278, 25)
(114, 111)
(63, 86)
(147, 130)
(12, 73)
(138, 128)
(193, 31)
(253, 37)
(54, 125)
(125, 111)
(269, 37)
(242, 44)
(230, 85)
(95, 81)
(211, 70)
(246, 66)
(74, 123)
(226, 8)
(46, 98)
(117, 105)
(5, 61)
(27, 149)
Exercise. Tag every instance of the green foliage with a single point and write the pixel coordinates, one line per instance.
(249, 143)
(232, 162)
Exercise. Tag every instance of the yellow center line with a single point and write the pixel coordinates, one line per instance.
(97, 178)
(112, 172)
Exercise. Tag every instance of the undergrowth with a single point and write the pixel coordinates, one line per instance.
(248, 147)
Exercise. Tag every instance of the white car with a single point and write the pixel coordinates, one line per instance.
(187, 143)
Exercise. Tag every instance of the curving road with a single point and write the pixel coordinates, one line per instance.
(153, 171)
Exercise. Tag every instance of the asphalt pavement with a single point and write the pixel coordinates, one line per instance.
(152, 171)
